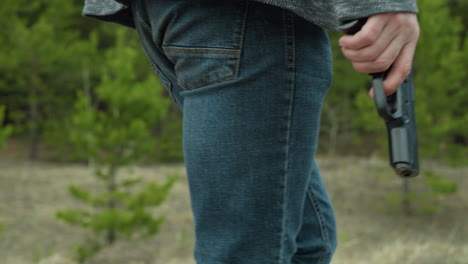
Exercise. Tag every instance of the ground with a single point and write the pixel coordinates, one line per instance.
(372, 229)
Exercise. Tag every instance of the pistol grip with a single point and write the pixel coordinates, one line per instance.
(380, 99)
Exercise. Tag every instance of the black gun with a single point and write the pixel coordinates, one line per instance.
(397, 110)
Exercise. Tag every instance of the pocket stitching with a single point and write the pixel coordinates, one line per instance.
(226, 78)
(235, 53)
(220, 80)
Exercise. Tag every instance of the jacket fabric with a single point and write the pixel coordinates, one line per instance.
(328, 14)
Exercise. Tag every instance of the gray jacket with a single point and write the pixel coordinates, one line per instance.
(328, 14)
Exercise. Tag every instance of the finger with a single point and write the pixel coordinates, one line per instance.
(371, 93)
(385, 60)
(372, 52)
(369, 33)
(401, 69)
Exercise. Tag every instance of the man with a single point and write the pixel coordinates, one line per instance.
(250, 78)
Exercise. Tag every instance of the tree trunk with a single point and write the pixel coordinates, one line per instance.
(111, 236)
(406, 201)
(87, 92)
(33, 110)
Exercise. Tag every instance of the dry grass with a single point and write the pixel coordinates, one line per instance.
(370, 229)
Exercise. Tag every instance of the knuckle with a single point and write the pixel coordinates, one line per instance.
(373, 31)
(370, 55)
(364, 55)
(382, 64)
(409, 24)
(402, 20)
(405, 70)
(368, 37)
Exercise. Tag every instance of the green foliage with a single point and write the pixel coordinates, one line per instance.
(439, 185)
(112, 127)
(128, 214)
(79, 193)
(41, 67)
(437, 188)
(113, 123)
(87, 250)
(53, 54)
(128, 217)
(169, 145)
(4, 131)
(440, 78)
(350, 121)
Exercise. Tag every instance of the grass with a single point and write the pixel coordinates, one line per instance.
(371, 229)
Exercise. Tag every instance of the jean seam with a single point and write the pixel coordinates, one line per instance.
(241, 34)
(320, 217)
(290, 61)
(141, 20)
(166, 83)
(227, 78)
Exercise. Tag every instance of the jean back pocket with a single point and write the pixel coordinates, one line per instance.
(203, 40)
(198, 67)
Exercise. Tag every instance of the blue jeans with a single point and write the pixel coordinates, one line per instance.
(250, 80)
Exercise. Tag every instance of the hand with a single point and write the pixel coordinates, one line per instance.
(386, 39)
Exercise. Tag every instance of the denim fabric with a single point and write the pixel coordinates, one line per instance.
(250, 80)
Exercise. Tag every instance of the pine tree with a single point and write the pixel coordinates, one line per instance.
(41, 66)
(441, 95)
(112, 127)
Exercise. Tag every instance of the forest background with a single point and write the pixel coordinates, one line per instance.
(56, 66)
(51, 54)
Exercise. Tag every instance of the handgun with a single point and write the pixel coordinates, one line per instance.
(397, 110)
